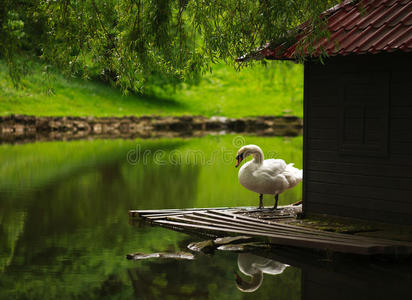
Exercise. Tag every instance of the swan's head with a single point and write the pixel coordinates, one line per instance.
(247, 150)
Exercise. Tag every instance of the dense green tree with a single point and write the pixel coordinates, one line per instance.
(131, 42)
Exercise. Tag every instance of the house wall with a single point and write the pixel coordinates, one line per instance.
(358, 137)
(355, 281)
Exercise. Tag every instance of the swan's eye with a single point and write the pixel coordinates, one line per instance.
(240, 156)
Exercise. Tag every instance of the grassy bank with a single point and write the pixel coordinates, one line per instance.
(274, 89)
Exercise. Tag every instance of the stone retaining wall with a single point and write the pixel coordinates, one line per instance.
(14, 128)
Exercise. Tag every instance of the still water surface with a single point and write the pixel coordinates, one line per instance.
(64, 229)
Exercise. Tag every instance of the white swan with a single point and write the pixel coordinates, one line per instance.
(255, 266)
(266, 176)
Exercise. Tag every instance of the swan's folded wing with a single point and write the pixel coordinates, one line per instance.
(271, 184)
(276, 176)
(273, 167)
(271, 173)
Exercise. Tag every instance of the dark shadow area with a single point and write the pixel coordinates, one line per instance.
(149, 100)
(338, 276)
(156, 101)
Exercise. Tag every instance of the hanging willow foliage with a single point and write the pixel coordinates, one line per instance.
(132, 42)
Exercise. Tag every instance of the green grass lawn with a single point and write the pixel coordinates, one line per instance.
(274, 89)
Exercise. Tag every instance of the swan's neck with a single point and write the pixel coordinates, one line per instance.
(258, 156)
(253, 285)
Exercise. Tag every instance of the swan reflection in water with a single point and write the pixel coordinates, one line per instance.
(255, 266)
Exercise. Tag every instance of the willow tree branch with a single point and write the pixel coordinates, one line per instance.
(111, 40)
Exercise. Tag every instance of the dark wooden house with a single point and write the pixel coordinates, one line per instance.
(358, 112)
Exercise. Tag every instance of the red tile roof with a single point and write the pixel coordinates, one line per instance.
(363, 26)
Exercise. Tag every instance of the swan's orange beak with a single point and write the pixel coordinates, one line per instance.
(239, 159)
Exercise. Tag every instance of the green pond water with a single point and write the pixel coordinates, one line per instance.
(64, 228)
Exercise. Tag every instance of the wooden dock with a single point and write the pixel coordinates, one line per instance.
(267, 225)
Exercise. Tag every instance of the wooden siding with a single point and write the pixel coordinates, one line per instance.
(358, 137)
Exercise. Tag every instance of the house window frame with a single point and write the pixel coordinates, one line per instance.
(370, 80)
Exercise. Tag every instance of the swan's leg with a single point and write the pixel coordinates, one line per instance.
(276, 201)
(260, 201)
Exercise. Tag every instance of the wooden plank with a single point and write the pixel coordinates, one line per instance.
(161, 211)
(229, 225)
(357, 196)
(317, 101)
(219, 227)
(402, 112)
(325, 95)
(400, 135)
(362, 207)
(232, 218)
(141, 212)
(166, 212)
(392, 160)
(295, 241)
(314, 232)
(290, 229)
(160, 215)
(402, 147)
(223, 221)
(401, 93)
(274, 224)
(324, 111)
(277, 217)
(360, 202)
(360, 180)
(364, 168)
(323, 207)
(257, 227)
(193, 219)
(400, 124)
(324, 144)
(326, 134)
(335, 234)
(163, 215)
(325, 123)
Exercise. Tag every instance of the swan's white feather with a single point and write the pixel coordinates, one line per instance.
(255, 266)
(250, 264)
